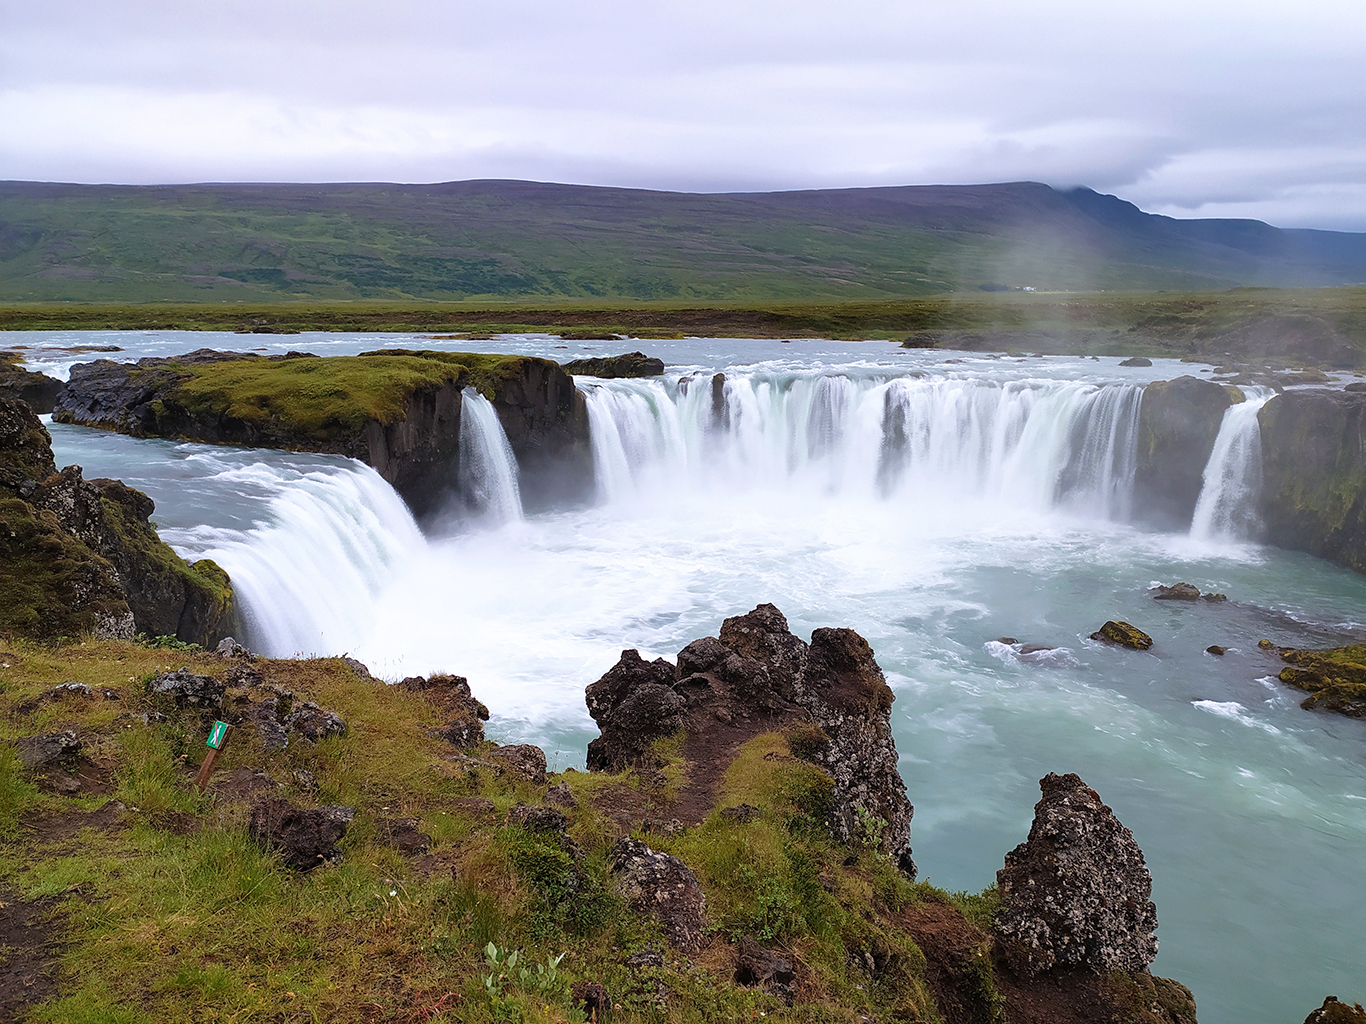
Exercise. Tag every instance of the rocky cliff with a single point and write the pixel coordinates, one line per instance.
(399, 410)
(82, 556)
(1177, 424)
(1314, 474)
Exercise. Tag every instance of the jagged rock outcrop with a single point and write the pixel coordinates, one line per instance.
(189, 689)
(82, 555)
(1077, 892)
(664, 887)
(38, 752)
(759, 677)
(1177, 424)
(523, 760)
(628, 364)
(1314, 474)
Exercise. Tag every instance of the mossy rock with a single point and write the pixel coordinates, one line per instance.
(1123, 634)
(25, 448)
(1334, 678)
(52, 585)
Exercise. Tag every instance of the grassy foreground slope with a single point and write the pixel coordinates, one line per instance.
(160, 907)
(528, 240)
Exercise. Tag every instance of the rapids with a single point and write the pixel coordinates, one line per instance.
(935, 502)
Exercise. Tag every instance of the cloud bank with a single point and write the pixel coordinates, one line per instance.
(1210, 109)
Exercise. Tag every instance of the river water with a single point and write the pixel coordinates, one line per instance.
(933, 501)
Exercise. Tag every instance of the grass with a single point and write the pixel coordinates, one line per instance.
(1212, 325)
(178, 915)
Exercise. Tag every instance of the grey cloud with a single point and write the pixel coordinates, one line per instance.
(1179, 106)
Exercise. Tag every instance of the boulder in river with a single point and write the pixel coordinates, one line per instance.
(1077, 892)
(628, 364)
(1124, 635)
(1176, 592)
(1334, 678)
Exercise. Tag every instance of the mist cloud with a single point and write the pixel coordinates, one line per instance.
(1194, 109)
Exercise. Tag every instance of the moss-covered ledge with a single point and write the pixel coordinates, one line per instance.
(398, 410)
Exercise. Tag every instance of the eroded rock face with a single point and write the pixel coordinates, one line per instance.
(843, 688)
(167, 596)
(1177, 424)
(1077, 892)
(524, 760)
(1334, 1012)
(37, 752)
(25, 449)
(303, 837)
(1314, 474)
(663, 887)
(38, 390)
(545, 418)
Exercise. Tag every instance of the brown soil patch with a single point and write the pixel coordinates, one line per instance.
(52, 828)
(28, 968)
(708, 752)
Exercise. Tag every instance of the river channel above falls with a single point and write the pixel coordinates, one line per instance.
(1001, 511)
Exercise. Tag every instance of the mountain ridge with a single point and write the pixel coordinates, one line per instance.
(506, 239)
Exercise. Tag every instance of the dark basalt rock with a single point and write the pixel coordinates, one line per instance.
(1177, 424)
(1176, 592)
(843, 688)
(25, 449)
(1077, 892)
(757, 966)
(304, 838)
(1137, 361)
(37, 390)
(188, 689)
(759, 677)
(38, 752)
(1216, 650)
(633, 704)
(628, 364)
(524, 760)
(1334, 1012)
(1314, 474)
(663, 887)
(314, 723)
(167, 596)
(404, 834)
(1123, 635)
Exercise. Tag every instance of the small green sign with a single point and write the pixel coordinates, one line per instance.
(217, 736)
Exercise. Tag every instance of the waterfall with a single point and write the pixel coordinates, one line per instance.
(1038, 444)
(1227, 507)
(308, 576)
(488, 469)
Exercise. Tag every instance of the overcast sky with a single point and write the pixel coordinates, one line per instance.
(1192, 108)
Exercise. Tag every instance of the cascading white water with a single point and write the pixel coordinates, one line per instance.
(1227, 507)
(1043, 444)
(308, 576)
(488, 468)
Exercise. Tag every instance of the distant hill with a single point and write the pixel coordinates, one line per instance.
(523, 241)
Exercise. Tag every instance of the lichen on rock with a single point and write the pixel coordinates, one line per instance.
(1077, 892)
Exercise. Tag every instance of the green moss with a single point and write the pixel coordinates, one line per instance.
(51, 584)
(1335, 678)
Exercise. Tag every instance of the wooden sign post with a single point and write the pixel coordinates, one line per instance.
(218, 739)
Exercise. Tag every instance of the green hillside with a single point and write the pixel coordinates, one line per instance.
(523, 241)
